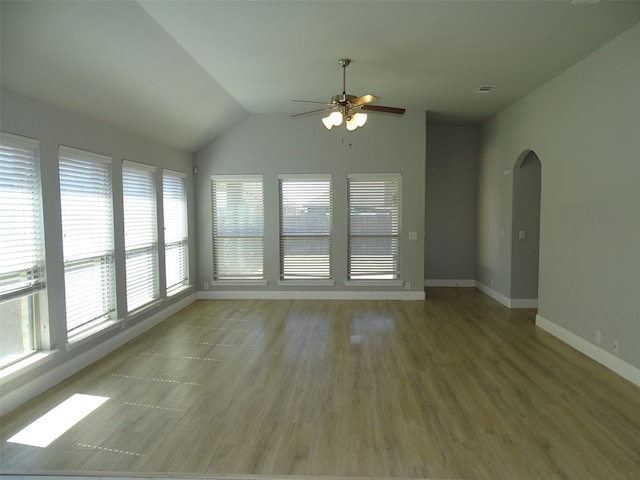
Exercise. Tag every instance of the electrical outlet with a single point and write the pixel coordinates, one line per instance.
(407, 285)
(616, 346)
(206, 285)
(598, 337)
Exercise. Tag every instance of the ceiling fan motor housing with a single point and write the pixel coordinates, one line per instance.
(342, 99)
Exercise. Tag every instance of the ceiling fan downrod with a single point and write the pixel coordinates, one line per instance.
(344, 62)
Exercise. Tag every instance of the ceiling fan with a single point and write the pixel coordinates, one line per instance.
(348, 108)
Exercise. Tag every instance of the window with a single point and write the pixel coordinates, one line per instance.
(174, 197)
(140, 234)
(238, 227)
(305, 227)
(21, 247)
(87, 240)
(375, 215)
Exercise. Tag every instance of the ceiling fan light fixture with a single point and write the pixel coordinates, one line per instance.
(346, 108)
(336, 118)
(356, 120)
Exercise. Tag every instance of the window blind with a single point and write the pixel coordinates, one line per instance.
(87, 243)
(375, 217)
(305, 227)
(21, 234)
(238, 227)
(140, 234)
(174, 195)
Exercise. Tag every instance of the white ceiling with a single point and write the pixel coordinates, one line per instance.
(181, 72)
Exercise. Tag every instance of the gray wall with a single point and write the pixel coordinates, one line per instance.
(583, 125)
(451, 202)
(51, 126)
(277, 144)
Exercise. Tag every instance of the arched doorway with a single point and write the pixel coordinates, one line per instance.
(525, 245)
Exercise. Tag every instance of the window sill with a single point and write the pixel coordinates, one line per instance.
(374, 283)
(307, 283)
(23, 366)
(89, 334)
(133, 314)
(237, 283)
(178, 291)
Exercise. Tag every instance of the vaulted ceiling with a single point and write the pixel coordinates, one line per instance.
(182, 72)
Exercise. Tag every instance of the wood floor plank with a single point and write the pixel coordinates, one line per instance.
(456, 386)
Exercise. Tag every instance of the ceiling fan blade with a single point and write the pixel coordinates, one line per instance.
(380, 108)
(311, 112)
(312, 101)
(364, 99)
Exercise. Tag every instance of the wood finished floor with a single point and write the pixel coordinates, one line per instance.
(456, 386)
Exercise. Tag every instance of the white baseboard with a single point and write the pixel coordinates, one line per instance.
(16, 397)
(310, 295)
(435, 282)
(617, 365)
(506, 301)
(493, 294)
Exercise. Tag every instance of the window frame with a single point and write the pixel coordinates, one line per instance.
(248, 276)
(135, 280)
(182, 242)
(78, 171)
(22, 156)
(310, 233)
(392, 276)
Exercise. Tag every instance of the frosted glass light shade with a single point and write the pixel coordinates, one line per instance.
(353, 120)
(336, 118)
(327, 122)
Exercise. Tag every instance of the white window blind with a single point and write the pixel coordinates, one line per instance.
(87, 243)
(174, 196)
(87, 230)
(305, 227)
(238, 227)
(140, 234)
(375, 217)
(22, 273)
(21, 237)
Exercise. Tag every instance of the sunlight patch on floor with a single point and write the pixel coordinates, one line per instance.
(58, 420)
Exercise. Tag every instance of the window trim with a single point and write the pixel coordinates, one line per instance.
(303, 281)
(103, 322)
(185, 283)
(237, 178)
(139, 251)
(30, 288)
(397, 274)
(26, 364)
